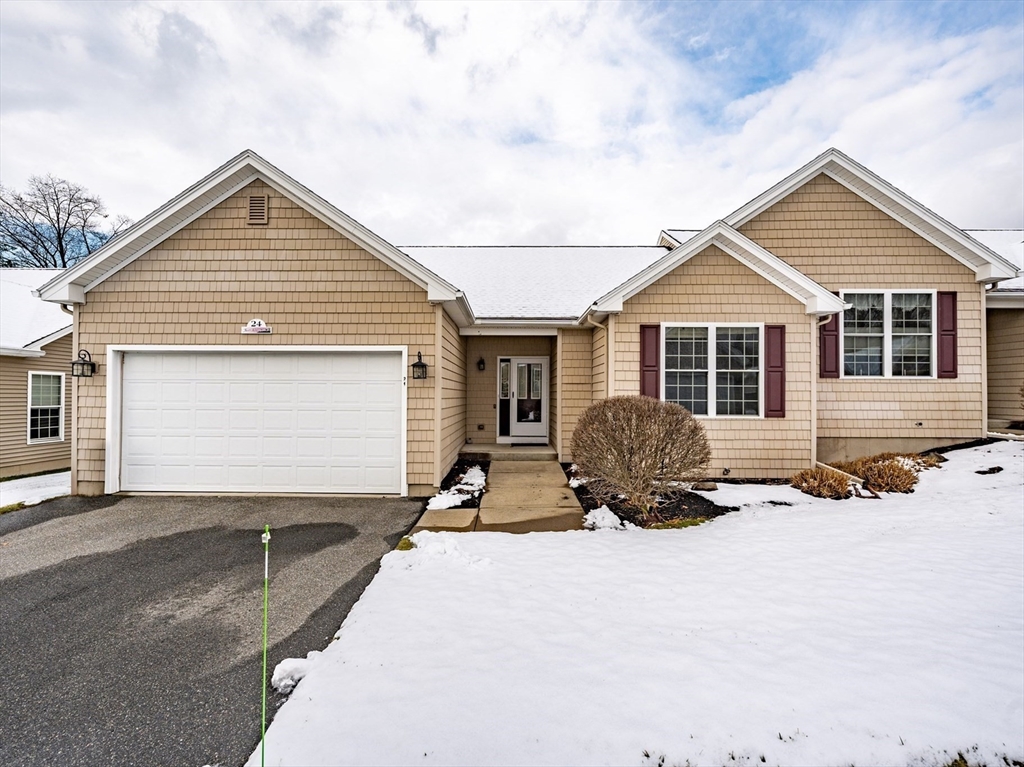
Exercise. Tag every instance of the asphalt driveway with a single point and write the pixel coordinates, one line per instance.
(131, 626)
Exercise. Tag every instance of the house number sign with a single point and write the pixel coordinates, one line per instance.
(256, 326)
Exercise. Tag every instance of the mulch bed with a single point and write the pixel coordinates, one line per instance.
(452, 479)
(684, 505)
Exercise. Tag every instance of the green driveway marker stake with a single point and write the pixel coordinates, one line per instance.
(266, 574)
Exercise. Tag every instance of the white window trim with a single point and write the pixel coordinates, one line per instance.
(713, 367)
(114, 391)
(28, 408)
(887, 334)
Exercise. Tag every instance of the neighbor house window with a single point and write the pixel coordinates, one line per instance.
(45, 407)
(713, 369)
(888, 333)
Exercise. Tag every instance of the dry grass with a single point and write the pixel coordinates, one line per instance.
(889, 472)
(636, 449)
(822, 483)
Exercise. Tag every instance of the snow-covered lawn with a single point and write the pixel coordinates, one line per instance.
(864, 632)
(32, 490)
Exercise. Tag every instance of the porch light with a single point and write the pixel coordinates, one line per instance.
(480, 364)
(83, 367)
(419, 367)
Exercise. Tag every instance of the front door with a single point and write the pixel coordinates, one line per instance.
(523, 399)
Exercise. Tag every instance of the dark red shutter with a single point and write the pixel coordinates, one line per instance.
(947, 335)
(774, 371)
(828, 348)
(650, 361)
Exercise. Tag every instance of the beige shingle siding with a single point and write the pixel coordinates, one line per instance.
(1005, 365)
(309, 283)
(556, 395)
(482, 387)
(599, 358)
(453, 394)
(713, 287)
(845, 243)
(576, 382)
(16, 455)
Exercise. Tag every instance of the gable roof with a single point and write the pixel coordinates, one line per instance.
(988, 265)
(815, 298)
(553, 283)
(71, 286)
(26, 323)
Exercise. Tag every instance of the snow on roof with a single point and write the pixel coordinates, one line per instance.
(24, 318)
(682, 235)
(534, 282)
(1008, 243)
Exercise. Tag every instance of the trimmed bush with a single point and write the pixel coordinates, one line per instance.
(822, 483)
(635, 449)
(889, 472)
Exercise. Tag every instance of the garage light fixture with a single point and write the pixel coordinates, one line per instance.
(419, 367)
(480, 364)
(83, 367)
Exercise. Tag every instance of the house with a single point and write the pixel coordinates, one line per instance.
(253, 338)
(35, 381)
(1004, 323)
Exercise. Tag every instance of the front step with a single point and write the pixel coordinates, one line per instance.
(493, 452)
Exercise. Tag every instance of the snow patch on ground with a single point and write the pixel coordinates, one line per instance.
(472, 482)
(827, 632)
(290, 671)
(32, 490)
(603, 518)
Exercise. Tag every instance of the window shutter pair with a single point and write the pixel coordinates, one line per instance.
(774, 357)
(829, 353)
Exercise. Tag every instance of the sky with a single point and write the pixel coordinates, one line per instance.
(519, 123)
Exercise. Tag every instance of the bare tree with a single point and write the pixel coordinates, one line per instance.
(53, 224)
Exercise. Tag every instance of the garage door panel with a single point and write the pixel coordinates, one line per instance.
(260, 422)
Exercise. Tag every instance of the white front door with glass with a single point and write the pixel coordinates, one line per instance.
(523, 400)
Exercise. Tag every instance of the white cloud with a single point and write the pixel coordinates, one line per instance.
(493, 123)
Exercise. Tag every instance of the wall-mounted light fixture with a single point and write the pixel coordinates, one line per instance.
(83, 367)
(480, 364)
(419, 367)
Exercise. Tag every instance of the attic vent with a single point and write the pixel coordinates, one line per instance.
(258, 209)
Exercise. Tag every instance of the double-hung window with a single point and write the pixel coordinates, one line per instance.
(45, 407)
(713, 369)
(889, 333)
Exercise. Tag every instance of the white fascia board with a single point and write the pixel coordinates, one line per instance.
(460, 311)
(55, 335)
(830, 161)
(14, 351)
(1007, 300)
(744, 250)
(513, 330)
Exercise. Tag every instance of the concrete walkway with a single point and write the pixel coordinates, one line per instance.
(522, 497)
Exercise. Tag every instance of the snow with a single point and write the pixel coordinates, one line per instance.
(32, 490)
(603, 518)
(1008, 243)
(24, 318)
(472, 483)
(555, 282)
(290, 671)
(826, 632)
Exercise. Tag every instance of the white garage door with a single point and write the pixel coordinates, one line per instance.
(262, 422)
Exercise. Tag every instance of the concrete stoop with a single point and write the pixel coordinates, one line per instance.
(522, 497)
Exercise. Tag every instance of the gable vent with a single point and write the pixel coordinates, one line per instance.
(259, 206)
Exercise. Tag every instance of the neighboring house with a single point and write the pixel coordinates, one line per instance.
(831, 316)
(1004, 323)
(35, 380)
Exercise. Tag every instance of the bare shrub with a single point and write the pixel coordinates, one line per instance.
(637, 449)
(822, 483)
(889, 476)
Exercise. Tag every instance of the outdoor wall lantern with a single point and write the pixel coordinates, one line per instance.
(481, 365)
(419, 367)
(83, 367)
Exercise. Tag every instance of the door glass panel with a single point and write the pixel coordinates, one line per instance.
(528, 399)
(522, 372)
(535, 381)
(504, 376)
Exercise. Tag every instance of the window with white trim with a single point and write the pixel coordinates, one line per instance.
(713, 369)
(889, 333)
(45, 407)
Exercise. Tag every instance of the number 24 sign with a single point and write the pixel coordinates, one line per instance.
(256, 326)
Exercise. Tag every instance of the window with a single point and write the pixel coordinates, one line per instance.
(713, 370)
(888, 333)
(45, 407)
